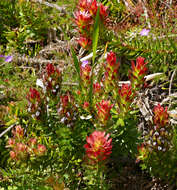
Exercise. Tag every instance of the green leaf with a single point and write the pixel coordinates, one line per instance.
(95, 35)
(120, 122)
(94, 48)
(76, 64)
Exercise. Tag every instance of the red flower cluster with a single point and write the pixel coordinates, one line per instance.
(84, 19)
(160, 115)
(33, 95)
(85, 73)
(98, 146)
(125, 93)
(52, 80)
(84, 42)
(138, 72)
(103, 114)
(159, 138)
(34, 103)
(111, 71)
(67, 109)
(86, 105)
(22, 148)
(125, 97)
(97, 88)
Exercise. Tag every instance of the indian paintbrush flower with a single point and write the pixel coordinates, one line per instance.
(96, 88)
(85, 73)
(99, 146)
(18, 132)
(160, 135)
(41, 149)
(84, 42)
(85, 19)
(138, 73)
(67, 109)
(160, 115)
(35, 104)
(125, 98)
(111, 72)
(33, 95)
(103, 111)
(52, 78)
(21, 147)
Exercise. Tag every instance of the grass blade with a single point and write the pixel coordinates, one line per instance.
(77, 65)
(94, 48)
(95, 35)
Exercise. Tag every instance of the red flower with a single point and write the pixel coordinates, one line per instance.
(98, 146)
(21, 147)
(41, 149)
(96, 87)
(18, 132)
(50, 69)
(33, 95)
(13, 155)
(143, 153)
(103, 11)
(160, 115)
(104, 108)
(83, 4)
(85, 71)
(86, 105)
(83, 19)
(11, 142)
(111, 59)
(140, 67)
(93, 7)
(125, 93)
(64, 100)
(111, 66)
(84, 42)
(32, 142)
(138, 72)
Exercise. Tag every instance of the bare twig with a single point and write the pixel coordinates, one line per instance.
(174, 95)
(8, 129)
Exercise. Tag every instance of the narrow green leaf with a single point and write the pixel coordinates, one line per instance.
(173, 45)
(76, 64)
(95, 35)
(94, 48)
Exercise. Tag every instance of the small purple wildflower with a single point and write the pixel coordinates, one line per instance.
(144, 32)
(6, 58)
(84, 63)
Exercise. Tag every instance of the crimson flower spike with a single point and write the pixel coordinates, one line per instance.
(138, 72)
(103, 113)
(160, 115)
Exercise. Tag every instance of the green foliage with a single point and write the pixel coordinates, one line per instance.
(100, 103)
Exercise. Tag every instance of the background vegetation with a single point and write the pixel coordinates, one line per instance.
(38, 34)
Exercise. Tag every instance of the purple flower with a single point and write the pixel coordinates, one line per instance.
(84, 63)
(6, 58)
(144, 32)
